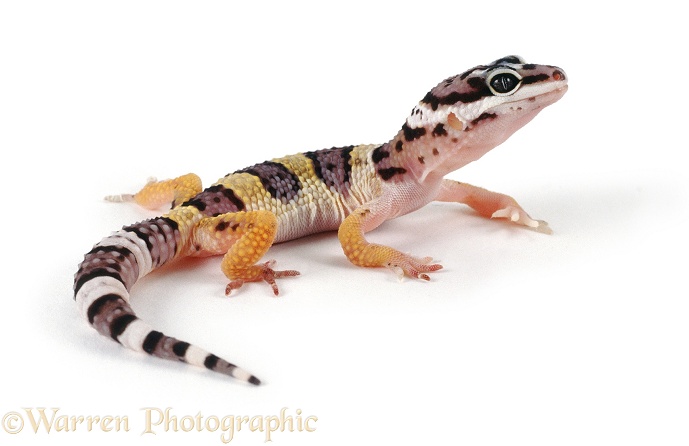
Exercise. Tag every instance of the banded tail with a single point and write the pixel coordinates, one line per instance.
(108, 272)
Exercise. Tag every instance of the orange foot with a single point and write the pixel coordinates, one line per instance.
(257, 273)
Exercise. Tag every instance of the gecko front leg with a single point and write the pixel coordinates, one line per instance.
(362, 253)
(489, 204)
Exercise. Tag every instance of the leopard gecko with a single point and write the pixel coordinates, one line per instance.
(349, 189)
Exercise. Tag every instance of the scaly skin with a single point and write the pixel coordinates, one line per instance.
(350, 189)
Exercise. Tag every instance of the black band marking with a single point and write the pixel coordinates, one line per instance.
(180, 348)
(197, 203)
(139, 233)
(211, 361)
(151, 341)
(120, 324)
(236, 202)
(156, 234)
(97, 272)
(276, 178)
(216, 200)
(333, 166)
(98, 304)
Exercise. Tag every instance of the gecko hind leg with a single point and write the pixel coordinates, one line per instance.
(244, 237)
(158, 193)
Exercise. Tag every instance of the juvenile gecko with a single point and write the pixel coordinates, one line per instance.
(349, 189)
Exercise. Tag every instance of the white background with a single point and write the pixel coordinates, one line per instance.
(570, 339)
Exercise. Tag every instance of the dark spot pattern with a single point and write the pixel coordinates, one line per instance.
(379, 154)
(277, 179)
(216, 200)
(390, 172)
(439, 130)
(480, 91)
(333, 166)
(399, 146)
(410, 134)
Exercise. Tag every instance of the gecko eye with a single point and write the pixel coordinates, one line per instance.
(503, 82)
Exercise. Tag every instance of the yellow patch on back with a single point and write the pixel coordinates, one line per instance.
(299, 165)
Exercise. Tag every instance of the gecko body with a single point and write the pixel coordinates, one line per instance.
(350, 189)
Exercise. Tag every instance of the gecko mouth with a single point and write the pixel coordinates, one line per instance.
(549, 97)
(533, 103)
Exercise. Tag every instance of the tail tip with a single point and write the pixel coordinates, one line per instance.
(255, 381)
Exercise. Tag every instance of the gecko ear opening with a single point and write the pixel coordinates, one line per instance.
(455, 122)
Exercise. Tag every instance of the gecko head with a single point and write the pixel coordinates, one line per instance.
(486, 104)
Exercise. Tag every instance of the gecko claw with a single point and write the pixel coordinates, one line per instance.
(120, 198)
(413, 267)
(515, 214)
(234, 285)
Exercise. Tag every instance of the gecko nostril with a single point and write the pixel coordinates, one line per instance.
(558, 75)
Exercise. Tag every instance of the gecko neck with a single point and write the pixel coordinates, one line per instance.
(427, 154)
